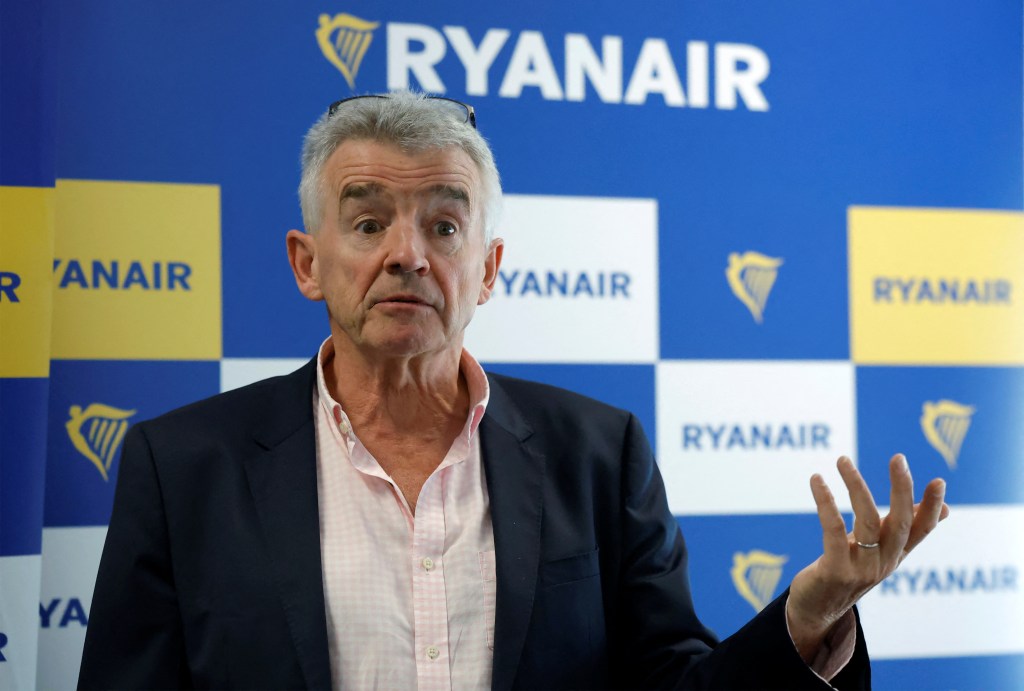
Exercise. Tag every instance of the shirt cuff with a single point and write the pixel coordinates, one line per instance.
(836, 650)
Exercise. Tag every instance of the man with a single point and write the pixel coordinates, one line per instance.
(391, 517)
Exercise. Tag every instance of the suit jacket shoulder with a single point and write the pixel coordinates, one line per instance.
(211, 573)
(267, 411)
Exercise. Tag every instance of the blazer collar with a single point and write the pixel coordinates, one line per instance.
(282, 479)
(515, 479)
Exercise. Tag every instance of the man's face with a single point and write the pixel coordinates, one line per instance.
(400, 256)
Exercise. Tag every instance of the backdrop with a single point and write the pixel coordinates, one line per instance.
(777, 231)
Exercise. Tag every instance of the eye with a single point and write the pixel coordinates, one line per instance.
(445, 228)
(369, 226)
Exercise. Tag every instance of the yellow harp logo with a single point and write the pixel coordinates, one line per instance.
(945, 425)
(751, 276)
(756, 575)
(343, 40)
(96, 433)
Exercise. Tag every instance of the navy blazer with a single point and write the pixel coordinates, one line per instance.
(211, 573)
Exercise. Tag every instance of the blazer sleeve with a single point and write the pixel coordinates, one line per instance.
(134, 639)
(664, 645)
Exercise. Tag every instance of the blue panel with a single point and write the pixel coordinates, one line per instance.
(983, 673)
(28, 82)
(22, 464)
(889, 410)
(76, 492)
(630, 387)
(713, 543)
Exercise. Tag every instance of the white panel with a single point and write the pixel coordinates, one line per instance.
(959, 593)
(745, 437)
(578, 283)
(237, 372)
(19, 621)
(71, 557)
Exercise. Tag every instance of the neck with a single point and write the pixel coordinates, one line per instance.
(409, 394)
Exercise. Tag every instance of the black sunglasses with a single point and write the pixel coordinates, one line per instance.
(463, 111)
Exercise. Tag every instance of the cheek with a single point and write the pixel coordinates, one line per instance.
(340, 282)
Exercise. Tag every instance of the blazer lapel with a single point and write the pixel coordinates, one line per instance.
(282, 478)
(515, 482)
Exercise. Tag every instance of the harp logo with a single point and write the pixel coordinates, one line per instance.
(756, 575)
(96, 433)
(945, 425)
(344, 40)
(751, 276)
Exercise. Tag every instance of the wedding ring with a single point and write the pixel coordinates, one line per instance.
(867, 545)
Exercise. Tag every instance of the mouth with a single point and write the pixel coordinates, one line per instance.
(401, 299)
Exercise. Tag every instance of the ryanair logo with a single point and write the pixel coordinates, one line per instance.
(97, 431)
(943, 291)
(756, 575)
(571, 284)
(953, 580)
(567, 67)
(755, 437)
(344, 41)
(945, 425)
(158, 275)
(751, 276)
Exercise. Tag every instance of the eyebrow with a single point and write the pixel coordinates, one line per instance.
(451, 192)
(361, 191)
(372, 189)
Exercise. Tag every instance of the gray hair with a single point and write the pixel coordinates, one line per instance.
(412, 122)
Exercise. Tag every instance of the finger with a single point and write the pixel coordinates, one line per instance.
(833, 528)
(943, 514)
(929, 512)
(897, 525)
(866, 521)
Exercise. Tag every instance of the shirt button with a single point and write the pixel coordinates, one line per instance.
(433, 652)
(428, 563)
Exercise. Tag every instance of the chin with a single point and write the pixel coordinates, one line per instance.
(408, 345)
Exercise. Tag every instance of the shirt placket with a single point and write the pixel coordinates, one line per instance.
(430, 606)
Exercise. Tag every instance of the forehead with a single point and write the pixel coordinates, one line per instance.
(396, 171)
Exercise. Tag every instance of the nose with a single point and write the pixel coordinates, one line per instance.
(406, 250)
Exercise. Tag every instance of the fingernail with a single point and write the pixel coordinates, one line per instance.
(901, 464)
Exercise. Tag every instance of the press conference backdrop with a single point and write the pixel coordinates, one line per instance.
(777, 231)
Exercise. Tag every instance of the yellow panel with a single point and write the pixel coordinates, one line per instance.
(26, 296)
(936, 286)
(137, 271)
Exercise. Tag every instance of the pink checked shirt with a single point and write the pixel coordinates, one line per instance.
(410, 600)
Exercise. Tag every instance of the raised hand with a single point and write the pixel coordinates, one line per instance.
(855, 562)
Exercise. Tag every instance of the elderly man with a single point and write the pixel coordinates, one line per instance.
(390, 516)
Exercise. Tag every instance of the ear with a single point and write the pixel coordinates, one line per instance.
(302, 258)
(491, 265)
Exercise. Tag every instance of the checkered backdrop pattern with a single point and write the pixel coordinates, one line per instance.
(777, 234)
